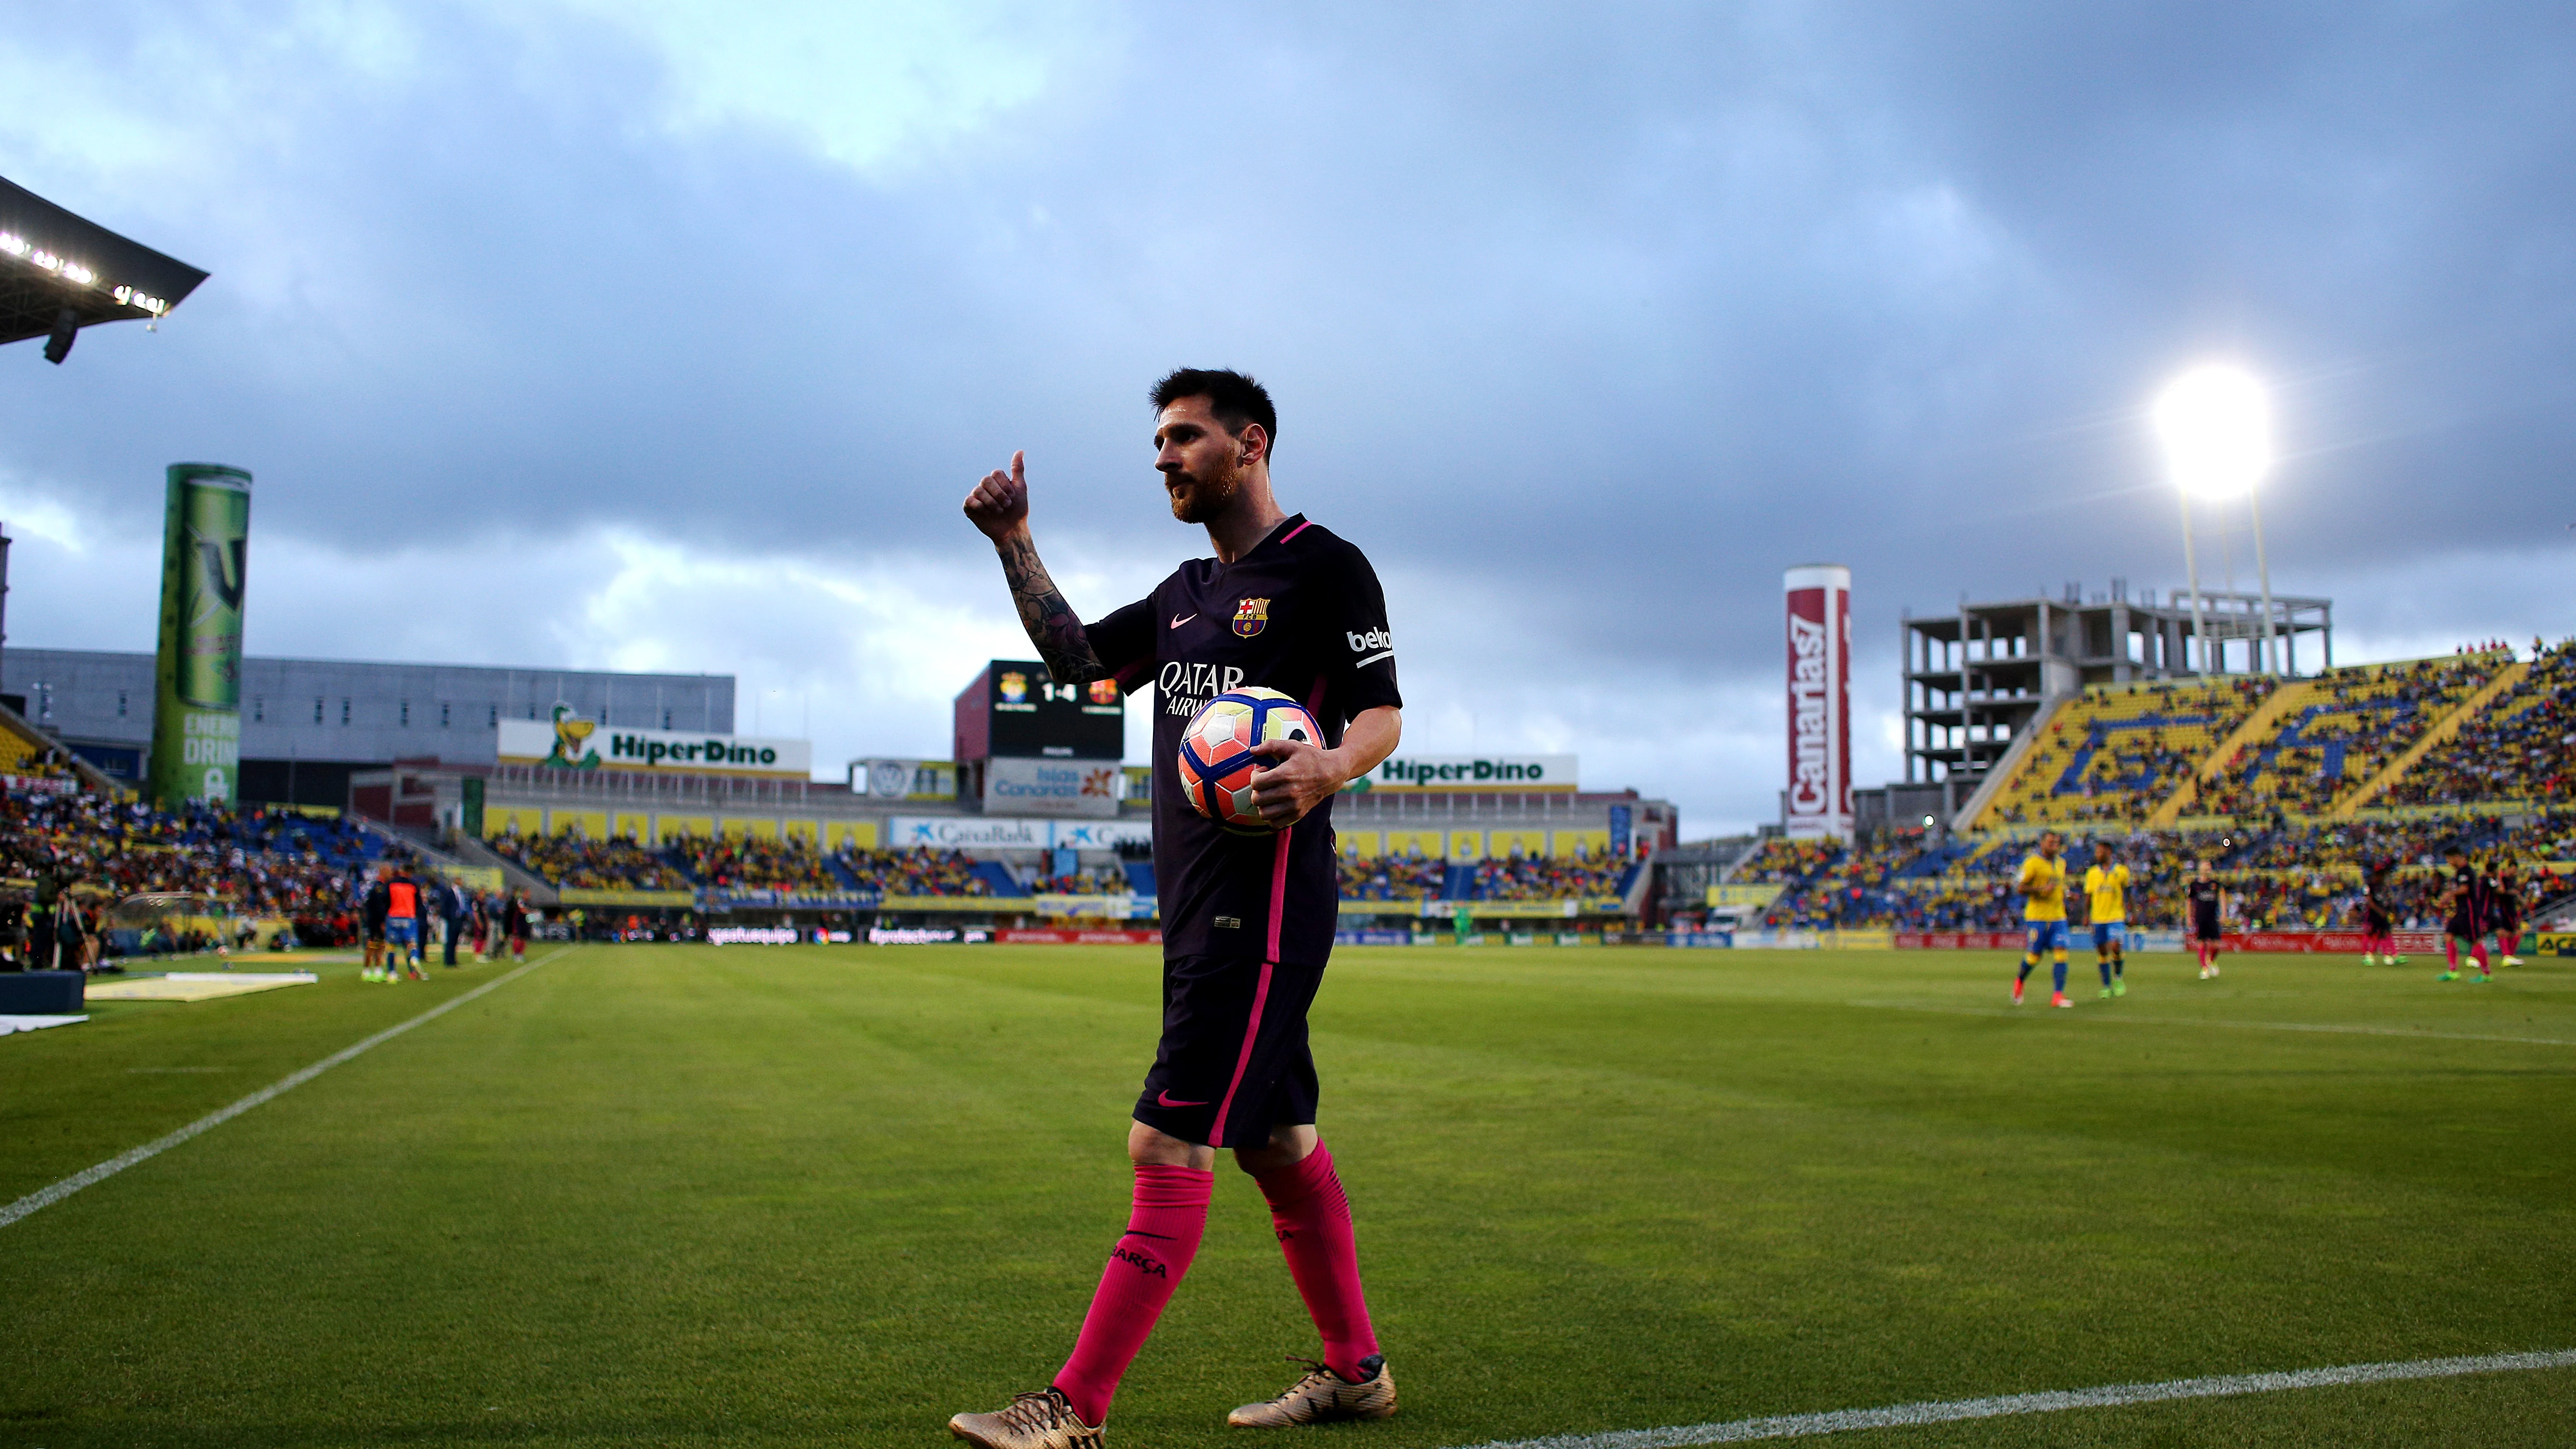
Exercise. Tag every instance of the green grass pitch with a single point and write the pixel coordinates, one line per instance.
(742, 1196)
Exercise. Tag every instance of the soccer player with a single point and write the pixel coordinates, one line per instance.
(1247, 921)
(2042, 884)
(371, 912)
(2208, 901)
(2506, 910)
(2378, 918)
(402, 924)
(2466, 899)
(2106, 892)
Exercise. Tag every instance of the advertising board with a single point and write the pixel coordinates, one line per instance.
(1455, 774)
(196, 719)
(569, 742)
(1038, 937)
(1053, 787)
(893, 780)
(1818, 801)
(1000, 832)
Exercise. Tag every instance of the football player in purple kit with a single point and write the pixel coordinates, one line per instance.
(1247, 920)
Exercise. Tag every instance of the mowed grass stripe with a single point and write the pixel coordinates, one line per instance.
(742, 1196)
(56, 1192)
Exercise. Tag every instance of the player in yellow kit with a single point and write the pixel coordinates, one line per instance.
(2042, 884)
(2106, 890)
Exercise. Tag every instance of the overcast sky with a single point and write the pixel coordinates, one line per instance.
(653, 334)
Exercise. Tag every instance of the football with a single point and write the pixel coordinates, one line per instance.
(1217, 763)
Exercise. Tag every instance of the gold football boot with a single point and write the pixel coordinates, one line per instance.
(1324, 1396)
(1043, 1420)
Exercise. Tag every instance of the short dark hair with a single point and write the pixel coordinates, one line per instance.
(1235, 398)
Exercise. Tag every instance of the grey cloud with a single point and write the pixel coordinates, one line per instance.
(1613, 312)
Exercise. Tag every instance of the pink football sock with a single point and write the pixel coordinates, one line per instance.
(1163, 1231)
(1313, 1219)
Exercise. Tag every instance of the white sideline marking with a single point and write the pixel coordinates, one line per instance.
(1796, 1426)
(48, 1196)
(2338, 1028)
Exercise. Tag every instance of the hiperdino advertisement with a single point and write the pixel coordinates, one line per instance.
(1487, 774)
(569, 742)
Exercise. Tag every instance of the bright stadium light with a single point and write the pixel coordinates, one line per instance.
(2216, 427)
(2215, 424)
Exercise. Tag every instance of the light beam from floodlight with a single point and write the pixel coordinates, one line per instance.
(2215, 424)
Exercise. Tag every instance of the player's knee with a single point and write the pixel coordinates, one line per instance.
(1153, 1147)
(1288, 1146)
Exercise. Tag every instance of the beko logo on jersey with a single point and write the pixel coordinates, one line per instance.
(1373, 639)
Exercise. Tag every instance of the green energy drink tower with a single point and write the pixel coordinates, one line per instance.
(196, 714)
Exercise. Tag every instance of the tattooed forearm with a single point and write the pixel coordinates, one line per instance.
(1051, 622)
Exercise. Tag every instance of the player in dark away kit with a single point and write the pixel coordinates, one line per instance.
(2471, 897)
(2378, 916)
(1247, 920)
(2207, 898)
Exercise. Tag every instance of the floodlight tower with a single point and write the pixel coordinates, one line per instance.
(2216, 427)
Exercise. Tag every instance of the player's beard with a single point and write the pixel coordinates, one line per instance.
(1208, 497)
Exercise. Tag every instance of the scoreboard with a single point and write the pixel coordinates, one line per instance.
(1014, 710)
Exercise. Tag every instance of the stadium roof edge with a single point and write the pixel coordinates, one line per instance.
(52, 260)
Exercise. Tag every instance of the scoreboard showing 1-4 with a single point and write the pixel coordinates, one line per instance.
(1033, 717)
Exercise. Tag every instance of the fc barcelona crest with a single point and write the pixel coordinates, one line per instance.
(1250, 615)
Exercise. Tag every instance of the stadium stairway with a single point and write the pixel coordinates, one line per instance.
(22, 741)
(2258, 726)
(1972, 814)
(998, 876)
(2441, 730)
(518, 877)
(1458, 882)
(1140, 876)
(1633, 886)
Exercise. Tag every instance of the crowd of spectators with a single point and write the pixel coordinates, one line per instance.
(1546, 878)
(264, 864)
(919, 871)
(2285, 876)
(1085, 883)
(1392, 878)
(2366, 718)
(573, 860)
(2522, 746)
(2119, 751)
(756, 863)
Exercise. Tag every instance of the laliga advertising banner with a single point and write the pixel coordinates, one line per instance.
(1819, 794)
(196, 715)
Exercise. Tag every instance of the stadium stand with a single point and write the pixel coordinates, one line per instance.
(2337, 732)
(2284, 876)
(1085, 883)
(2521, 746)
(1392, 879)
(2116, 752)
(751, 862)
(309, 870)
(571, 860)
(920, 871)
(1544, 878)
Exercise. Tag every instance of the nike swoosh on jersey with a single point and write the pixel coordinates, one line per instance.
(1164, 1099)
(1179, 619)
